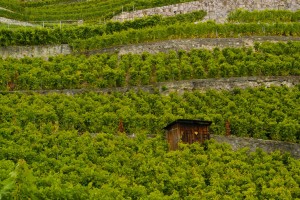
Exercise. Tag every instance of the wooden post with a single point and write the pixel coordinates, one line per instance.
(227, 125)
(121, 127)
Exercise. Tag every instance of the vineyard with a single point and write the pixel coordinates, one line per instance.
(244, 16)
(110, 70)
(262, 113)
(76, 10)
(59, 145)
(63, 165)
(67, 34)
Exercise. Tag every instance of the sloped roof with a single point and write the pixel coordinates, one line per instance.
(189, 121)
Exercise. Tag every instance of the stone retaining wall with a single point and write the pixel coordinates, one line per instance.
(151, 47)
(266, 145)
(216, 9)
(180, 87)
(35, 51)
(189, 44)
(228, 83)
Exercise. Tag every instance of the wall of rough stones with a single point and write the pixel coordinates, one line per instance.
(227, 83)
(165, 88)
(189, 44)
(151, 47)
(266, 145)
(34, 51)
(216, 9)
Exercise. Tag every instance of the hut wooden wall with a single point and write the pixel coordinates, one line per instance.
(187, 134)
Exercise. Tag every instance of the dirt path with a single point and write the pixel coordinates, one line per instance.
(15, 22)
(8, 21)
(1, 8)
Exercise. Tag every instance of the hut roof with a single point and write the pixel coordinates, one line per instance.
(189, 121)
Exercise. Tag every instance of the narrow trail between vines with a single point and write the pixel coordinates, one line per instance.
(8, 21)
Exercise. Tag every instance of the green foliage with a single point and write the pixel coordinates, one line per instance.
(83, 38)
(39, 36)
(111, 70)
(155, 20)
(190, 30)
(244, 16)
(58, 146)
(75, 10)
(262, 113)
(66, 34)
(69, 166)
(20, 184)
(14, 5)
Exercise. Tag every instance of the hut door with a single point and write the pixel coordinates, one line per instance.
(187, 136)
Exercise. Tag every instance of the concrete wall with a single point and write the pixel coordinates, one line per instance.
(253, 144)
(216, 9)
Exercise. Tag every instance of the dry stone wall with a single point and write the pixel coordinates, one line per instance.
(165, 88)
(266, 145)
(35, 51)
(189, 44)
(216, 9)
(151, 47)
(227, 83)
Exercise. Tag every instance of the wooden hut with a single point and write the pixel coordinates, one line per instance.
(187, 131)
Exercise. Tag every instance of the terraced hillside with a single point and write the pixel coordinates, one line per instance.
(75, 10)
(56, 144)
